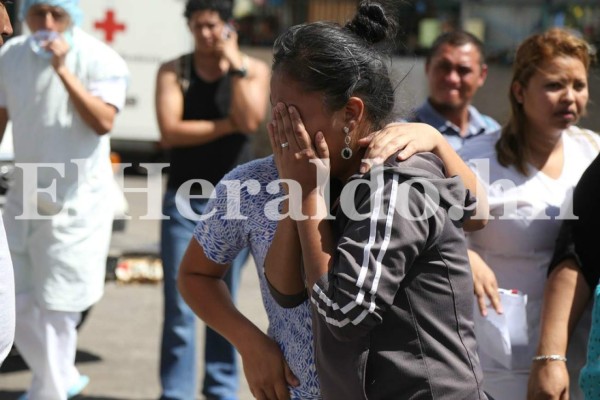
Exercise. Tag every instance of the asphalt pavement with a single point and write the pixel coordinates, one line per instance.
(119, 340)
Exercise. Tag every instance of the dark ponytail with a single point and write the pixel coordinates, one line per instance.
(371, 23)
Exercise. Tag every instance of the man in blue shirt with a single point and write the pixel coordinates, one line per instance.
(455, 69)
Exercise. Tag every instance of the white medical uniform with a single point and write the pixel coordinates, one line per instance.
(59, 261)
(519, 246)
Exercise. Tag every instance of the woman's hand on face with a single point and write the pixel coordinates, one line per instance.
(266, 370)
(295, 155)
(485, 284)
(408, 138)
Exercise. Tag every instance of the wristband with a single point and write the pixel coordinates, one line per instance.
(550, 357)
(242, 72)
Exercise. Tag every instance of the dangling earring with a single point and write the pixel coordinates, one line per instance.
(347, 151)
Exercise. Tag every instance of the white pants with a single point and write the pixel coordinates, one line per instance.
(47, 340)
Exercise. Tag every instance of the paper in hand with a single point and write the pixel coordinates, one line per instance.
(498, 333)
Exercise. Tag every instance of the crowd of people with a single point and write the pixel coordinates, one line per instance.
(383, 245)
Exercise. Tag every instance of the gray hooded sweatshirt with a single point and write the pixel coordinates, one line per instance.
(392, 319)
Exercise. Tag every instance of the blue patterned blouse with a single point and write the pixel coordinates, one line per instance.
(247, 219)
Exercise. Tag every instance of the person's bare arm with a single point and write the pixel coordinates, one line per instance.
(414, 138)
(456, 166)
(201, 284)
(249, 93)
(315, 238)
(249, 97)
(97, 114)
(169, 111)
(3, 122)
(565, 297)
(283, 261)
(484, 283)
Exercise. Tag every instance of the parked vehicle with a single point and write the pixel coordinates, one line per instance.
(145, 34)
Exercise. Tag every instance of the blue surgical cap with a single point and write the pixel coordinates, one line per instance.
(70, 6)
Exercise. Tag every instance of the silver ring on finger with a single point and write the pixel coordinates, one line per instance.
(284, 145)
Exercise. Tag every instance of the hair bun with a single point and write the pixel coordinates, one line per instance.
(371, 22)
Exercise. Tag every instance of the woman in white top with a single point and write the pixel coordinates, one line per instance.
(530, 168)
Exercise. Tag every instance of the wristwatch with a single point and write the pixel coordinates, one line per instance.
(242, 72)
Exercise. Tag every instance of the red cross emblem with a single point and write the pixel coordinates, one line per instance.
(110, 26)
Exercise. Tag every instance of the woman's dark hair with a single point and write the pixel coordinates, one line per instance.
(223, 7)
(341, 61)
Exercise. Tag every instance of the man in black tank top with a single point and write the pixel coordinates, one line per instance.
(207, 104)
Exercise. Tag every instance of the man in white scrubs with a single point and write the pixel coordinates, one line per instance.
(7, 282)
(61, 89)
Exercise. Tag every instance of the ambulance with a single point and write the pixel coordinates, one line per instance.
(145, 33)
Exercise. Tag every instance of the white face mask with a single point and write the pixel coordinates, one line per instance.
(38, 40)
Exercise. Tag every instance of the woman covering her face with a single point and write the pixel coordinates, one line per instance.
(386, 266)
(280, 364)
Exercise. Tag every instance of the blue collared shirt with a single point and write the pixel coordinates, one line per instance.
(478, 124)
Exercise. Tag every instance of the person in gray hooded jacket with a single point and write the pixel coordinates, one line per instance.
(388, 278)
(395, 305)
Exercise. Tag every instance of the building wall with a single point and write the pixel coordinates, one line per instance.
(332, 10)
(506, 25)
(411, 90)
